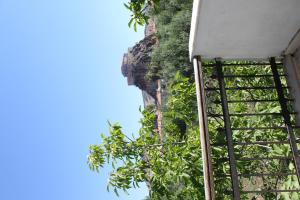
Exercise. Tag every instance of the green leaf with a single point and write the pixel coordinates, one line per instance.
(130, 22)
(116, 192)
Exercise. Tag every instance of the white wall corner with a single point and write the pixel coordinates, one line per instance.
(292, 69)
(294, 44)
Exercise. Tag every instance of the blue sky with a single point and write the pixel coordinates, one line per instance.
(60, 81)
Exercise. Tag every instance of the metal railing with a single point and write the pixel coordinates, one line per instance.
(275, 128)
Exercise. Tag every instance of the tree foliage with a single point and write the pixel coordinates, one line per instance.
(139, 11)
(171, 55)
(168, 166)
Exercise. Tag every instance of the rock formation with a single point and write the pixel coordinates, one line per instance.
(135, 65)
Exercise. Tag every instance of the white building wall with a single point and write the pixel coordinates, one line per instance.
(292, 63)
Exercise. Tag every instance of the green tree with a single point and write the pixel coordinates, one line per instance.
(171, 55)
(168, 166)
(139, 11)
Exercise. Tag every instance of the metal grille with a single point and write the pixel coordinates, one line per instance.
(251, 118)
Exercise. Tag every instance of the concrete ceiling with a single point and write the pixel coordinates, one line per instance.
(243, 29)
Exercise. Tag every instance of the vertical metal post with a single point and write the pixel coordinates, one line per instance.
(286, 116)
(228, 130)
(204, 137)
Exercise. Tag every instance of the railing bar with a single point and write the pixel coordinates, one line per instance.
(245, 64)
(257, 158)
(256, 100)
(253, 114)
(286, 116)
(270, 191)
(203, 127)
(251, 101)
(265, 158)
(249, 114)
(263, 128)
(253, 143)
(228, 131)
(261, 174)
(252, 76)
(246, 88)
(240, 65)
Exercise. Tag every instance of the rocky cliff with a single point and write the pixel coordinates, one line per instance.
(135, 65)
